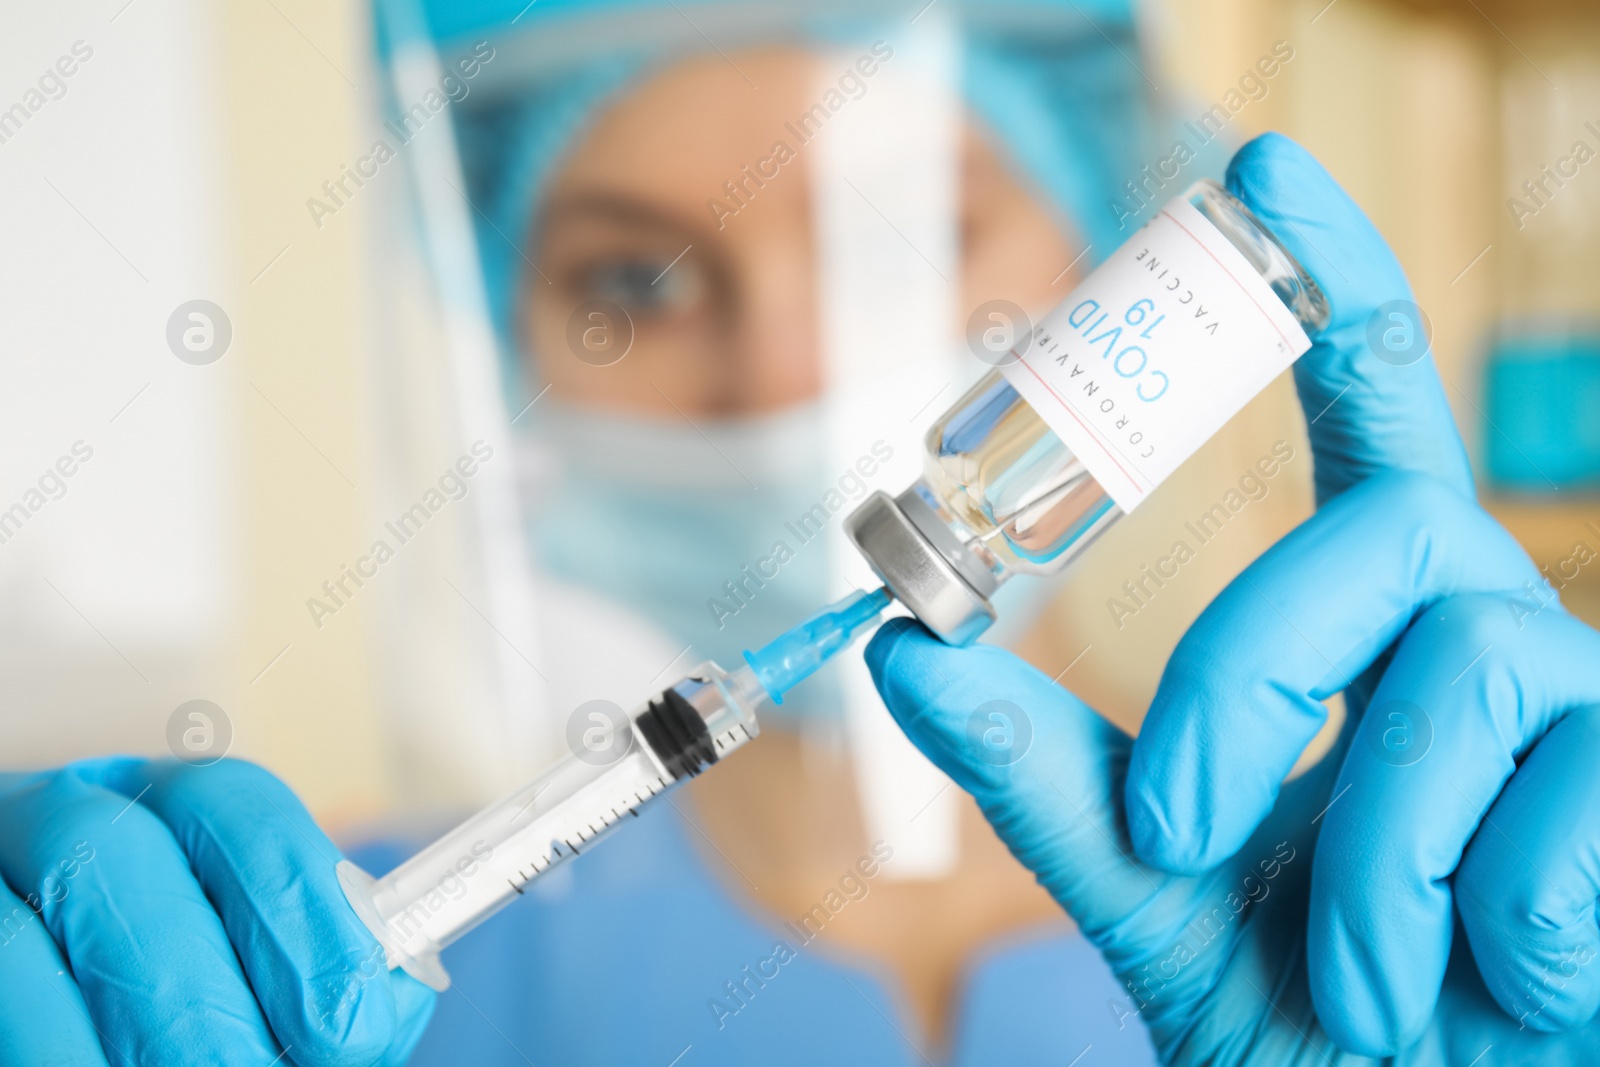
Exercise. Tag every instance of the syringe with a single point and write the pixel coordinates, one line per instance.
(473, 871)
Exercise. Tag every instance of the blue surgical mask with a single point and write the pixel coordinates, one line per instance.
(701, 528)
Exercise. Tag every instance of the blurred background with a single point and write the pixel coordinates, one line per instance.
(210, 498)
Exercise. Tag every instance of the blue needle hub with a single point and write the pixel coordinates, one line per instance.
(796, 655)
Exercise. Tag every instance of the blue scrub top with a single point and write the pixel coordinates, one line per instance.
(626, 956)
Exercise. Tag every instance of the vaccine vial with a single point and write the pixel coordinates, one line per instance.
(1085, 413)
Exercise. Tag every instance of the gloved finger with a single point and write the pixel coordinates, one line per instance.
(1241, 696)
(1047, 773)
(157, 973)
(1043, 767)
(1368, 408)
(413, 1004)
(268, 870)
(1527, 887)
(43, 1018)
(1471, 687)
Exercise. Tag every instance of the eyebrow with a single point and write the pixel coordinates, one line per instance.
(615, 207)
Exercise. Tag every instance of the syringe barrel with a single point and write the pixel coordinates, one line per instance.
(487, 862)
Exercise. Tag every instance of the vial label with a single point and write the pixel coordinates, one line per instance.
(1163, 343)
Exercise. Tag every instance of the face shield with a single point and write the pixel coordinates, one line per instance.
(699, 277)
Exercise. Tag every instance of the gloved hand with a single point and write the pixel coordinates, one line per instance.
(185, 915)
(1260, 922)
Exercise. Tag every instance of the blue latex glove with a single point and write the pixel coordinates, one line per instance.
(1265, 925)
(186, 915)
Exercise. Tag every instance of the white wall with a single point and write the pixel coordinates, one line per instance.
(113, 598)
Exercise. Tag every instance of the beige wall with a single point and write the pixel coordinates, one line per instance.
(292, 121)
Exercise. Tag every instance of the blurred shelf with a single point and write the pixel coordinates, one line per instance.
(1499, 12)
(1550, 530)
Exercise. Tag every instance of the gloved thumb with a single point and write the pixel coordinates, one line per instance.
(1372, 396)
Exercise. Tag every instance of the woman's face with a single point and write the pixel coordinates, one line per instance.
(731, 329)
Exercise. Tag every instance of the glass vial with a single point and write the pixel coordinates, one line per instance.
(1158, 347)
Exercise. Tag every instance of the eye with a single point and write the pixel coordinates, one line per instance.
(646, 286)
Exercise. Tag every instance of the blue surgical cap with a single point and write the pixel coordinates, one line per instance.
(1059, 85)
